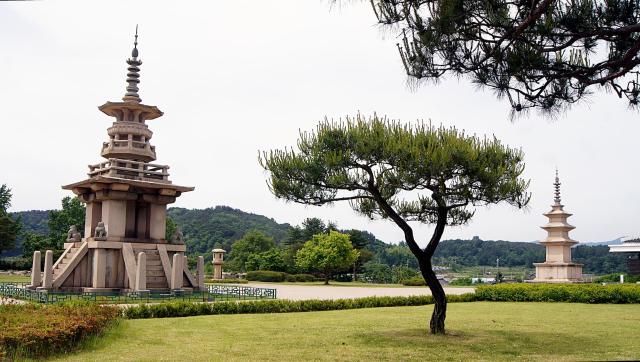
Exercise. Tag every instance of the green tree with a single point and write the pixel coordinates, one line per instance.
(267, 260)
(253, 242)
(72, 213)
(403, 173)
(326, 254)
(544, 54)
(9, 227)
(171, 227)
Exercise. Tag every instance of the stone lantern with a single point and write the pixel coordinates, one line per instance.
(218, 260)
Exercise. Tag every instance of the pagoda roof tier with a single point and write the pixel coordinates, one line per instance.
(558, 240)
(558, 226)
(557, 212)
(120, 184)
(130, 111)
(557, 263)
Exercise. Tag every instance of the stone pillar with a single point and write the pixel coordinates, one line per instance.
(200, 273)
(36, 273)
(157, 221)
(47, 281)
(99, 268)
(218, 261)
(114, 215)
(93, 215)
(177, 271)
(141, 273)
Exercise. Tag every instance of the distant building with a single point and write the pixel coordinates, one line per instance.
(631, 246)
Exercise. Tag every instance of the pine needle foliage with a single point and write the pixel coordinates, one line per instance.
(541, 54)
(390, 170)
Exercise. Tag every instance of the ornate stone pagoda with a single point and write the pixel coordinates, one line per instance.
(124, 245)
(558, 267)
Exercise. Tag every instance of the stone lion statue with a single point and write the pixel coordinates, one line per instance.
(101, 231)
(73, 235)
(177, 237)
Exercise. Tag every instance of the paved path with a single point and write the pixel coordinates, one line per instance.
(303, 292)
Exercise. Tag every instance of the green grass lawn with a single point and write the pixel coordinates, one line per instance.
(476, 331)
(4, 278)
(337, 284)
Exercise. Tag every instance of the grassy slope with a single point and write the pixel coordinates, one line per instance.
(477, 331)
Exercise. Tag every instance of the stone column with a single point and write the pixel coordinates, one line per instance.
(177, 271)
(93, 215)
(157, 221)
(36, 273)
(99, 268)
(47, 282)
(200, 273)
(141, 273)
(114, 215)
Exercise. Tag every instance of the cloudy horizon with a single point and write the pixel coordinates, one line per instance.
(234, 78)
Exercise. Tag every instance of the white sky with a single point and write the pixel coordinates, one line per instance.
(235, 77)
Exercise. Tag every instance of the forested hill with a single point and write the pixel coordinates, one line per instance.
(205, 229)
(34, 221)
(596, 258)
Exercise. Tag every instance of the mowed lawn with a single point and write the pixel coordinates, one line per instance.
(477, 331)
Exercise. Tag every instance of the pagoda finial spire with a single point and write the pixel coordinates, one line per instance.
(133, 76)
(556, 185)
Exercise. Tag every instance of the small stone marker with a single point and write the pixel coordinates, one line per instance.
(36, 273)
(176, 271)
(200, 272)
(141, 273)
(47, 282)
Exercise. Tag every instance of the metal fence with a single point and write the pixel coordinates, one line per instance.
(213, 293)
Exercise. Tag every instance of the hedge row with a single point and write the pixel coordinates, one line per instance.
(273, 276)
(32, 330)
(186, 309)
(572, 293)
(227, 281)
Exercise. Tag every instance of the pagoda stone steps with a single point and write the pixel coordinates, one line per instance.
(63, 263)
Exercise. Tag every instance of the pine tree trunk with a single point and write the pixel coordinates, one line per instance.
(440, 300)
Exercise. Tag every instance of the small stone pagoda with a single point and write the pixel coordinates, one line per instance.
(558, 268)
(124, 247)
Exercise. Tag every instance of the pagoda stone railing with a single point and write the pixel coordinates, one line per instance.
(132, 170)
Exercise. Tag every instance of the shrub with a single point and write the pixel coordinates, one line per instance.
(461, 281)
(299, 278)
(265, 276)
(573, 293)
(227, 281)
(39, 330)
(183, 309)
(415, 281)
(15, 263)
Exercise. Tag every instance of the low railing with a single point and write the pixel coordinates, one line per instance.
(241, 292)
(133, 170)
(212, 293)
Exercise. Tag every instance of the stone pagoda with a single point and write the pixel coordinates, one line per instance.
(124, 247)
(558, 267)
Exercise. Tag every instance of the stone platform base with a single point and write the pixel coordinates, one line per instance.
(558, 273)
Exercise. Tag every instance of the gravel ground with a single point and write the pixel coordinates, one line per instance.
(303, 292)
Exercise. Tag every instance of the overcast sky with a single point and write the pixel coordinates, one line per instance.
(235, 77)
